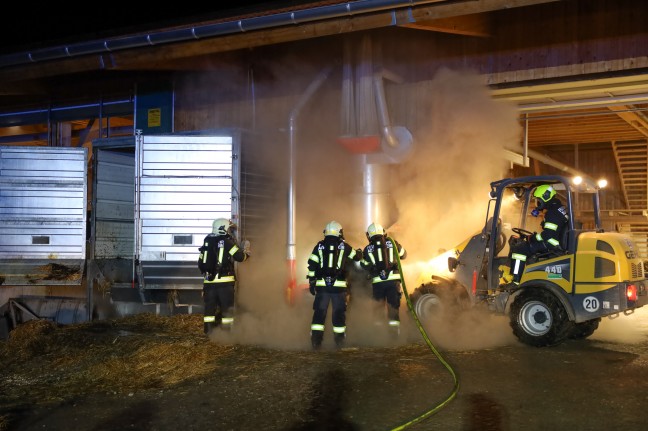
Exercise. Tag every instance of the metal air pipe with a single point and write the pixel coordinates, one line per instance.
(374, 195)
(292, 127)
(381, 107)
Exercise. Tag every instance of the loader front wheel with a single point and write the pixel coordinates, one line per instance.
(438, 301)
(539, 319)
(427, 303)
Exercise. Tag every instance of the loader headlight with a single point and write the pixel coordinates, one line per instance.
(452, 264)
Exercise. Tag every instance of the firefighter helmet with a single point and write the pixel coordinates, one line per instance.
(333, 228)
(223, 226)
(375, 229)
(544, 192)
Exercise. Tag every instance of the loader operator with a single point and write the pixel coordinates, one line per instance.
(327, 273)
(381, 263)
(216, 264)
(553, 225)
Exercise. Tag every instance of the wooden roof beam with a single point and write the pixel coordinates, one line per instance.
(632, 117)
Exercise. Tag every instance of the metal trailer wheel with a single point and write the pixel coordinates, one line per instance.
(539, 319)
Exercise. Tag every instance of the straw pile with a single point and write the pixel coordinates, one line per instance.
(45, 363)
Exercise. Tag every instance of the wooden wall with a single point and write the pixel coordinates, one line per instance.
(555, 41)
(549, 41)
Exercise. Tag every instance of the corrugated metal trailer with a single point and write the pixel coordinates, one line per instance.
(43, 198)
(43, 206)
(154, 200)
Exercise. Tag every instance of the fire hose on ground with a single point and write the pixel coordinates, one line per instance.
(429, 343)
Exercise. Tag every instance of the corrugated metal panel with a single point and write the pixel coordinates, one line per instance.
(182, 183)
(43, 202)
(114, 190)
(185, 183)
(42, 215)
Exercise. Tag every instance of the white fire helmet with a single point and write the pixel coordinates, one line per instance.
(222, 226)
(333, 228)
(375, 229)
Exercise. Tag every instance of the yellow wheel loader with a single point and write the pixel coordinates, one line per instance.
(563, 293)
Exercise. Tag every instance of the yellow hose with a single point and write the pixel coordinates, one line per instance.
(455, 389)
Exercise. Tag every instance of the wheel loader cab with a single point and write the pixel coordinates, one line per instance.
(512, 204)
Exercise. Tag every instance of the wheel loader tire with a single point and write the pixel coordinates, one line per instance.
(583, 330)
(539, 319)
(426, 303)
(438, 301)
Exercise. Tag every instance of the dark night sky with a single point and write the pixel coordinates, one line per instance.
(37, 25)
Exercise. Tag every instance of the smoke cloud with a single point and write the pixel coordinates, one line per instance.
(440, 191)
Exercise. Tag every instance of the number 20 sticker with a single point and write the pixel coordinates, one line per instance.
(591, 304)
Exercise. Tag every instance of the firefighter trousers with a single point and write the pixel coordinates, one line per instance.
(389, 292)
(338, 316)
(219, 305)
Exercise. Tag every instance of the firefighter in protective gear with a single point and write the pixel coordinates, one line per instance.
(381, 263)
(327, 278)
(216, 263)
(555, 220)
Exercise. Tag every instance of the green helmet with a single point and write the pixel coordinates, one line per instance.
(544, 192)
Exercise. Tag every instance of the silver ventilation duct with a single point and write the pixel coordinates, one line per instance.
(372, 123)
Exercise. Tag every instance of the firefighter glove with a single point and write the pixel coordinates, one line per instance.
(246, 247)
(535, 212)
(311, 285)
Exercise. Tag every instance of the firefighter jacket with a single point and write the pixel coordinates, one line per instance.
(327, 264)
(217, 257)
(380, 260)
(553, 225)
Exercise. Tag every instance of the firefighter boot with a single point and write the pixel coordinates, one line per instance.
(394, 329)
(316, 339)
(226, 323)
(208, 327)
(339, 340)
